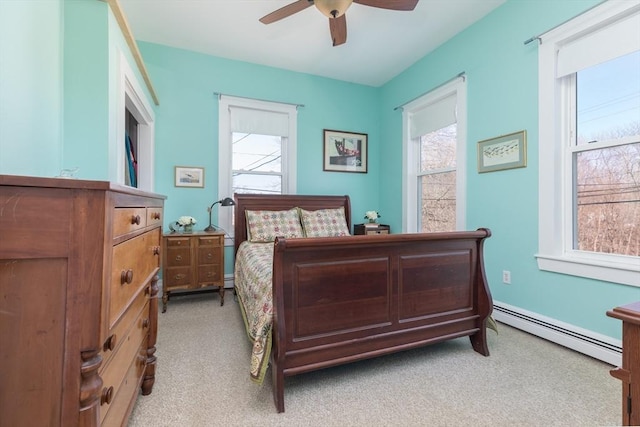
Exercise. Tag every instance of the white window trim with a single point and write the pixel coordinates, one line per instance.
(556, 251)
(289, 152)
(130, 96)
(411, 152)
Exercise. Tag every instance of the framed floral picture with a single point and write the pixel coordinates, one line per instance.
(345, 151)
(187, 176)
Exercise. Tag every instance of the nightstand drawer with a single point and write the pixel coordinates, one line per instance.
(177, 277)
(211, 241)
(209, 274)
(209, 255)
(178, 257)
(177, 242)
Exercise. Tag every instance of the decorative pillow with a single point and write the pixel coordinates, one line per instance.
(324, 223)
(265, 226)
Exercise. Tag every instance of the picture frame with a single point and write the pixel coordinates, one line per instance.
(345, 151)
(189, 176)
(503, 152)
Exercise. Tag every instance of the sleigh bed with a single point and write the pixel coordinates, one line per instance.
(314, 302)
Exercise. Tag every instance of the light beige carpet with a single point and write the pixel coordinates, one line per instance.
(202, 379)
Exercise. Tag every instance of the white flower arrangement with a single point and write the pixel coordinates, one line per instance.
(186, 220)
(371, 215)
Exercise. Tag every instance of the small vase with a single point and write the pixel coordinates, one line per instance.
(188, 228)
(372, 221)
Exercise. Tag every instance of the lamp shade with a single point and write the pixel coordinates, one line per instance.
(333, 8)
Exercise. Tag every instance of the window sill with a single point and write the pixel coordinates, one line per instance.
(625, 273)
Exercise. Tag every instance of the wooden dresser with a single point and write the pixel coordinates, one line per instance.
(192, 261)
(79, 264)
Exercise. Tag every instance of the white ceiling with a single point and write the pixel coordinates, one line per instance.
(380, 43)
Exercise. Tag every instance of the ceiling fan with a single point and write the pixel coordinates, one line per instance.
(335, 10)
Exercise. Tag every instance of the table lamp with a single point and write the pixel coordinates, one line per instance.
(227, 201)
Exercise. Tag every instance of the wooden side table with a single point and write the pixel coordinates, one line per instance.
(192, 262)
(629, 372)
(370, 229)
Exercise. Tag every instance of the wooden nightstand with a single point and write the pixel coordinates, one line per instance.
(192, 262)
(370, 229)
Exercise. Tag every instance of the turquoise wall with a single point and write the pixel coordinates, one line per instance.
(30, 87)
(502, 91)
(59, 70)
(187, 126)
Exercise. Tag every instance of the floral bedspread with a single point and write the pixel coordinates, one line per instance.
(253, 271)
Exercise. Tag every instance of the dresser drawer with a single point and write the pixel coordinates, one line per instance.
(209, 255)
(154, 216)
(115, 336)
(134, 263)
(178, 257)
(209, 275)
(113, 414)
(114, 373)
(126, 220)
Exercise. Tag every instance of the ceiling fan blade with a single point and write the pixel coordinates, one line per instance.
(338, 27)
(390, 4)
(286, 11)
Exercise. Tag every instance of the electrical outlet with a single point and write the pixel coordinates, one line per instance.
(506, 277)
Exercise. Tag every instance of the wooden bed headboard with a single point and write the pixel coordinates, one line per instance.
(278, 202)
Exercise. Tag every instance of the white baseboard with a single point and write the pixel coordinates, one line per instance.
(591, 343)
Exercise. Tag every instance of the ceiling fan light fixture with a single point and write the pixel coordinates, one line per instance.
(333, 8)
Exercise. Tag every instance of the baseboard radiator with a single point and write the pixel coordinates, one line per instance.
(591, 343)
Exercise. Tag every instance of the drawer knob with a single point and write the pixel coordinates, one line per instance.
(209, 255)
(180, 276)
(135, 219)
(156, 250)
(145, 323)
(155, 215)
(178, 257)
(147, 290)
(107, 395)
(126, 277)
(109, 343)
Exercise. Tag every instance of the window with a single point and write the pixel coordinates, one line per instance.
(589, 136)
(434, 160)
(257, 150)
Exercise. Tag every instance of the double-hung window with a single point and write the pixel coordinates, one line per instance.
(434, 160)
(257, 150)
(589, 137)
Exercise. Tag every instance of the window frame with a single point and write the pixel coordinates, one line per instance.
(556, 124)
(411, 154)
(225, 172)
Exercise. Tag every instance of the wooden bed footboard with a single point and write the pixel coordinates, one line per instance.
(339, 300)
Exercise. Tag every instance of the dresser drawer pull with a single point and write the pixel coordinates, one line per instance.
(135, 219)
(155, 215)
(107, 395)
(209, 256)
(156, 250)
(180, 276)
(126, 277)
(147, 290)
(209, 274)
(110, 343)
(178, 257)
(145, 323)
